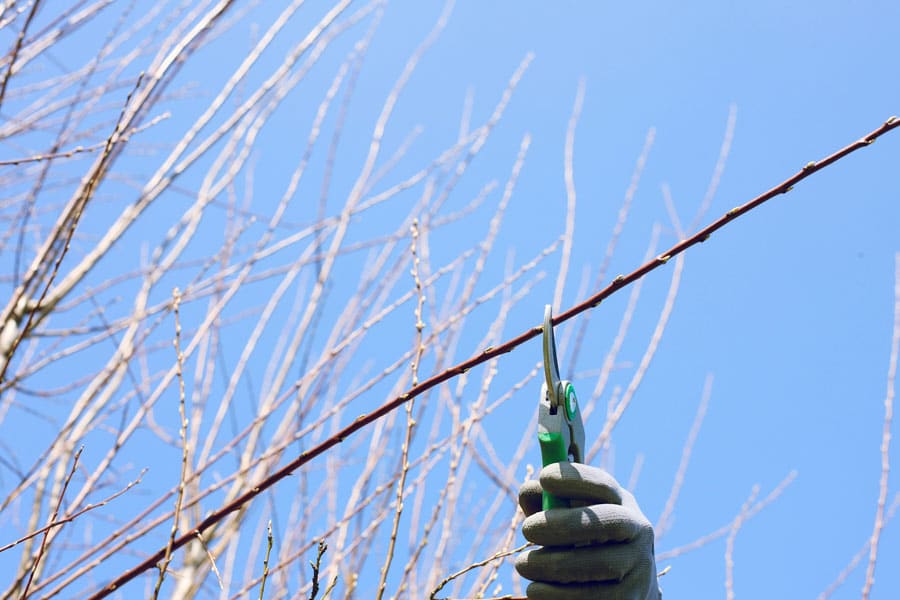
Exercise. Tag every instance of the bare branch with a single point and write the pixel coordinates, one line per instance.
(476, 565)
(729, 544)
(495, 351)
(182, 413)
(59, 501)
(663, 524)
(885, 437)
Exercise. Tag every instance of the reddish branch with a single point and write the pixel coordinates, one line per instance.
(492, 352)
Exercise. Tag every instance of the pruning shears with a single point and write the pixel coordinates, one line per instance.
(560, 428)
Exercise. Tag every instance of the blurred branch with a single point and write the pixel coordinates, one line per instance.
(885, 436)
(18, 46)
(729, 544)
(44, 271)
(726, 529)
(179, 499)
(857, 558)
(40, 554)
(611, 245)
(664, 522)
(14, 162)
(75, 515)
(569, 174)
(410, 422)
(476, 565)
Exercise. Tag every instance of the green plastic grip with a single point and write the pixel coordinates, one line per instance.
(553, 450)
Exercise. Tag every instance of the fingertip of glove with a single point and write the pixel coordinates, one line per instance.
(580, 481)
(531, 497)
(521, 562)
(530, 488)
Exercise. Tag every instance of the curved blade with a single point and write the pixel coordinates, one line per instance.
(551, 366)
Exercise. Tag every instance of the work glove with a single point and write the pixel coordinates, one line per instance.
(602, 548)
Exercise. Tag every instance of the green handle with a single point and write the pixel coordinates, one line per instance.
(553, 450)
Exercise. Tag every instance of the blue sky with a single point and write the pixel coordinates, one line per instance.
(789, 309)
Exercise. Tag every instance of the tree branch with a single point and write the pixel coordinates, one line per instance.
(494, 351)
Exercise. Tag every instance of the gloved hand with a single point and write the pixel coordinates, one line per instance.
(603, 549)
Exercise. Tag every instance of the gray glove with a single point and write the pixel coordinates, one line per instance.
(602, 549)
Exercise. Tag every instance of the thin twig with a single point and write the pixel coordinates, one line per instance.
(668, 306)
(857, 558)
(265, 575)
(713, 186)
(75, 515)
(476, 565)
(57, 245)
(59, 501)
(493, 573)
(569, 173)
(725, 529)
(663, 523)
(209, 555)
(330, 588)
(635, 474)
(612, 355)
(410, 422)
(16, 48)
(611, 245)
(494, 351)
(78, 149)
(732, 535)
(179, 498)
(315, 569)
(885, 437)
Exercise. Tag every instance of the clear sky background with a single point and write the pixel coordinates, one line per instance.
(789, 309)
